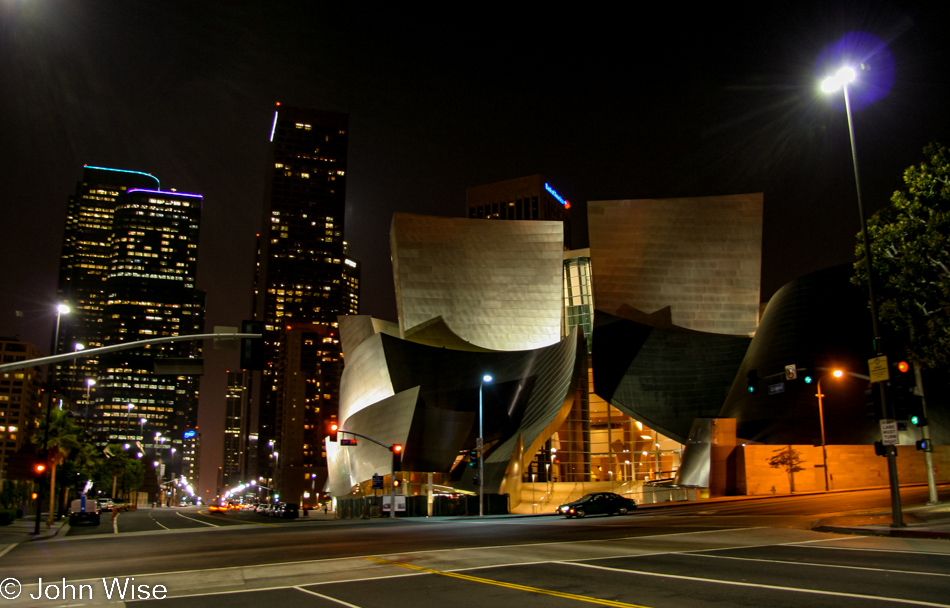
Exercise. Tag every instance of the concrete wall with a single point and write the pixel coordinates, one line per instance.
(849, 466)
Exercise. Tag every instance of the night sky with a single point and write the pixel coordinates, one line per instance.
(607, 103)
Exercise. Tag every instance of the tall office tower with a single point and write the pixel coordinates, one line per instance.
(300, 271)
(235, 428)
(351, 285)
(19, 399)
(190, 458)
(309, 368)
(128, 273)
(86, 256)
(149, 293)
(523, 198)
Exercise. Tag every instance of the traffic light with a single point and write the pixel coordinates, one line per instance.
(872, 402)
(397, 456)
(752, 381)
(39, 468)
(923, 444)
(880, 449)
(252, 349)
(332, 430)
(906, 404)
(34, 495)
(472, 458)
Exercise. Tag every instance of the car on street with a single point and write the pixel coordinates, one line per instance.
(287, 510)
(597, 503)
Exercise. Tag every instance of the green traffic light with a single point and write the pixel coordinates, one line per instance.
(807, 379)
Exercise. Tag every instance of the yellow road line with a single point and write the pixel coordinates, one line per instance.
(465, 577)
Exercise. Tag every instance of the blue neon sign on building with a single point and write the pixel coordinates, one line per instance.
(557, 196)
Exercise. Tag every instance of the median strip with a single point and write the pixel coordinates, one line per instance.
(475, 579)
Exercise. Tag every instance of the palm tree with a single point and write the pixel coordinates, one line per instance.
(81, 468)
(60, 435)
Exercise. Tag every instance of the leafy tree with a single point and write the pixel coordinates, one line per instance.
(15, 493)
(790, 459)
(910, 249)
(60, 434)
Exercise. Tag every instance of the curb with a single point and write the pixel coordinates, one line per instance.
(892, 532)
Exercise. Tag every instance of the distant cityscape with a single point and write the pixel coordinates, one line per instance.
(626, 396)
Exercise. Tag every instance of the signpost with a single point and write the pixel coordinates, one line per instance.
(878, 369)
(889, 434)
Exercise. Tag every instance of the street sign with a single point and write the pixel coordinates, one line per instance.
(878, 369)
(400, 502)
(889, 434)
(348, 442)
(791, 372)
(377, 482)
(775, 389)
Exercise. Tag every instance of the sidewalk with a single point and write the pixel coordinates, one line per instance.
(21, 530)
(921, 521)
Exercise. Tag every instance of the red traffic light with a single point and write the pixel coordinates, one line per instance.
(397, 448)
(34, 496)
(39, 468)
(903, 367)
(332, 430)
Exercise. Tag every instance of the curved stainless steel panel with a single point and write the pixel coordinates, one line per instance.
(700, 256)
(496, 284)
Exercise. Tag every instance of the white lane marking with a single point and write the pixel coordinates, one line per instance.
(327, 597)
(197, 520)
(152, 517)
(817, 565)
(8, 549)
(761, 586)
(881, 550)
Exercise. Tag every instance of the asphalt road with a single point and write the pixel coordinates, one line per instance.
(743, 553)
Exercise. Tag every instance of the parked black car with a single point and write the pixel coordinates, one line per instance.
(287, 510)
(597, 503)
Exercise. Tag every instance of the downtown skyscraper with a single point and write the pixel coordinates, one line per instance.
(303, 279)
(128, 271)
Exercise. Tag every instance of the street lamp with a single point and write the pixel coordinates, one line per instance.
(821, 417)
(481, 448)
(831, 84)
(61, 309)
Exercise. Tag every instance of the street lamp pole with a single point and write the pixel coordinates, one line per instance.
(821, 418)
(831, 84)
(481, 448)
(90, 382)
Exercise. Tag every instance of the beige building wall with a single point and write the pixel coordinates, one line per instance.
(495, 284)
(849, 466)
(702, 257)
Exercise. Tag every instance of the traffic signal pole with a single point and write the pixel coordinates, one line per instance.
(928, 448)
